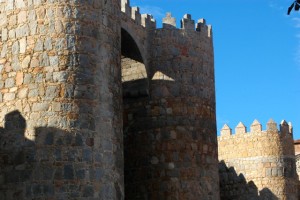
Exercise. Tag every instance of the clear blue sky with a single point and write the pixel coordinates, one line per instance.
(257, 56)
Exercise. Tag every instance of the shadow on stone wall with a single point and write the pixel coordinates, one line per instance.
(235, 187)
(17, 155)
(56, 164)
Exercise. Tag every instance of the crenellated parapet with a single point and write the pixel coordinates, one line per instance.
(169, 22)
(187, 23)
(256, 128)
(69, 128)
(145, 20)
(274, 141)
(183, 55)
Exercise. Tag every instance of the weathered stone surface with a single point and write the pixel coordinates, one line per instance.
(39, 70)
(169, 132)
(263, 158)
(61, 104)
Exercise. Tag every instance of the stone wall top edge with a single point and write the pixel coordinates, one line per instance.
(264, 158)
(256, 129)
(250, 134)
(147, 20)
(17, 5)
(185, 32)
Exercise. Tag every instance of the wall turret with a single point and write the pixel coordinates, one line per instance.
(60, 97)
(62, 64)
(265, 158)
(176, 120)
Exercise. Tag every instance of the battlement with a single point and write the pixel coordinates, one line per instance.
(145, 20)
(187, 23)
(256, 127)
(169, 22)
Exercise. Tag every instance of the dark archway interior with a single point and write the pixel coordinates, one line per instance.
(135, 88)
(134, 75)
(129, 48)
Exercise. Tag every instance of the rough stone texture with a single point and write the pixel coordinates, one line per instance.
(170, 143)
(259, 164)
(62, 64)
(297, 147)
(70, 69)
(297, 155)
(60, 100)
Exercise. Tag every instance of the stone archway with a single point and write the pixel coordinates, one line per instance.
(135, 87)
(134, 74)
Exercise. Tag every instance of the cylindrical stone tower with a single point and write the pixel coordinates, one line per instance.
(60, 100)
(258, 164)
(170, 139)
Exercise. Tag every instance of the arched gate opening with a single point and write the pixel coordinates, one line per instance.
(135, 87)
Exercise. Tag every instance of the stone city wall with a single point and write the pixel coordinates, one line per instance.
(297, 147)
(61, 69)
(297, 155)
(259, 164)
(170, 145)
(60, 100)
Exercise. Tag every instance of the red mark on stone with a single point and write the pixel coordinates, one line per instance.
(90, 142)
(184, 51)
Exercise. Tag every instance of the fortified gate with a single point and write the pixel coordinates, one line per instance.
(98, 103)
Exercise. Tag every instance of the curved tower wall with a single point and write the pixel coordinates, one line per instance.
(170, 139)
(60, 100)
(258, 163)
